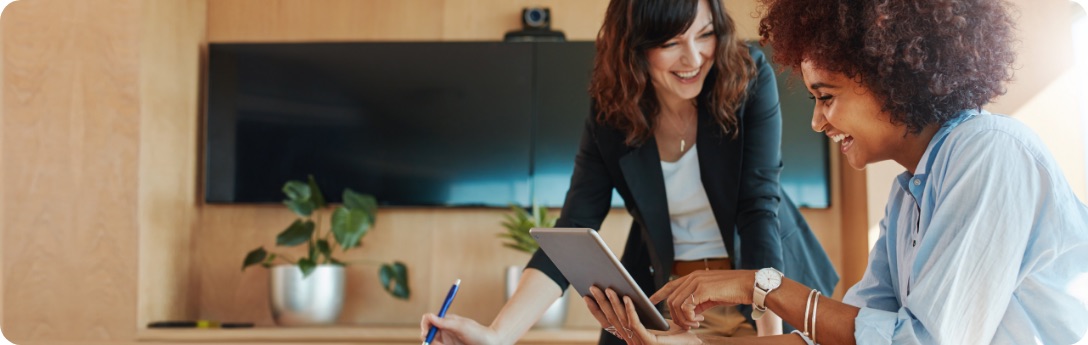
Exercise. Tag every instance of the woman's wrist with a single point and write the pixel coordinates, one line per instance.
(750, 286)
(500, 337)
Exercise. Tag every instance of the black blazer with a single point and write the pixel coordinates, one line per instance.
(741, 181)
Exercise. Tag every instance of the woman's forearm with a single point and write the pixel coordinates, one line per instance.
(769, 324)
(834, 320)
(536, 292)
(784, 339)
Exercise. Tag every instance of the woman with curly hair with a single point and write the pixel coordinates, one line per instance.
(686, 127)
(983, 240)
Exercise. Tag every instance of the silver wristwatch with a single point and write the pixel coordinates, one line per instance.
(767, 280)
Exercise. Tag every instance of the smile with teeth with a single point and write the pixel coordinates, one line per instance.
(839, 137)
(686, 75)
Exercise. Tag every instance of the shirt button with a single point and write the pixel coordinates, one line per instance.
(913, 242)
(917, 182)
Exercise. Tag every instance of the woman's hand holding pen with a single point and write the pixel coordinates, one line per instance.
(457, 330)
(689, 296)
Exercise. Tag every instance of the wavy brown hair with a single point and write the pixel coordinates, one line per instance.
(925, 60)
(621, 88)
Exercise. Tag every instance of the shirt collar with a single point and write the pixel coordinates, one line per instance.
(916, 182)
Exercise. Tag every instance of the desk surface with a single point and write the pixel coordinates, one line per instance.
(341, 334)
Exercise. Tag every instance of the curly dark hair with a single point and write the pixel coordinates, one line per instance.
(620, 85)
(925, 59)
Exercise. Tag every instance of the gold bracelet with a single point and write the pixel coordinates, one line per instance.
(815, 304)
(808, 305)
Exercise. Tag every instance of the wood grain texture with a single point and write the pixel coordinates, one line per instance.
(167, 207)
(345, 334)
(489, 20)
(407, 20)
(323, 20)
(438, 245)
(71, 138)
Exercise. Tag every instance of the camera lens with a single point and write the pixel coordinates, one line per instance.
(535, 17)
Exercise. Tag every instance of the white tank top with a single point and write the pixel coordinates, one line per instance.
(695, 233)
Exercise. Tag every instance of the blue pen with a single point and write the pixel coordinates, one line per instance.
(442, 313)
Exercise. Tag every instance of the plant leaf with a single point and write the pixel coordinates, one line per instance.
(358, 201)
(323, 248)
(517, 224)
(349, 226)
(297, 190)
(254, 257)
(301, 208)
(268, 261)
(317, 199)
(307, 267)
(394, 279)
(297, 233)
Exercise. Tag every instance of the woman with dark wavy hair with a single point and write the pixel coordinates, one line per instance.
(685, 126)
(983, 240)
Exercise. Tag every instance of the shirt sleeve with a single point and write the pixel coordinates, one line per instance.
(985, 192)
(757, 206)
(587, 202)
(875, 289)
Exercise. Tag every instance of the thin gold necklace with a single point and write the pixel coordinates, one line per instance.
(683, 134)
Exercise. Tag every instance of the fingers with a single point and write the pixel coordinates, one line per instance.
(450, 327)
(666, 290)
(682, 302)
(425, 326)
(618, 308)
(641, 334)
(606, 307)
(596, 311)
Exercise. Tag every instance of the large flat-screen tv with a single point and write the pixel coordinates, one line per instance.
(414, 124)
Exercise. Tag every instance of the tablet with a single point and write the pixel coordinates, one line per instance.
(585, 261)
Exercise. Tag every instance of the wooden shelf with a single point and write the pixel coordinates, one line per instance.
(341, 334)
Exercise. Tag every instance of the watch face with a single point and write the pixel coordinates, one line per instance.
(768, 279)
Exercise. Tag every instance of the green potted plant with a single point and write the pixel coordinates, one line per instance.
(517, 225)
(310, 289)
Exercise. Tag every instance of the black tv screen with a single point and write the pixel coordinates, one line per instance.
(414, 124)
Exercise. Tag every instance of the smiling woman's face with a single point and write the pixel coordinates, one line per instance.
(849, 113)
(679, 67)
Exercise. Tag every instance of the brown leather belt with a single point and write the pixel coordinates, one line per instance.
(683, 268)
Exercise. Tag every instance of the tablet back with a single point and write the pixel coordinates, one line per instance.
(585, 260)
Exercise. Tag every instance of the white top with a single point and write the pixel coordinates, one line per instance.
(695, 233)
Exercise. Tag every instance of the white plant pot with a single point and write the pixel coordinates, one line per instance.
(554, 317)
(314, 300)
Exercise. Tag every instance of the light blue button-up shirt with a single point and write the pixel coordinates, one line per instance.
(984, 243)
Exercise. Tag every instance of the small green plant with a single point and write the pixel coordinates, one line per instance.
(349, 223)
(518, 224)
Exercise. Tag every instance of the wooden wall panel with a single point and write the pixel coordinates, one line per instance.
(408, 20)
(323, 20)
(438, 245)
(172, 33)
(3, 225)
(489, 20)
(71, 140)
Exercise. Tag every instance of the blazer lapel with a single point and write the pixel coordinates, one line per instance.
(642, 171)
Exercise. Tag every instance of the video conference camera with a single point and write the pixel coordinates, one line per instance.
(536, 26)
